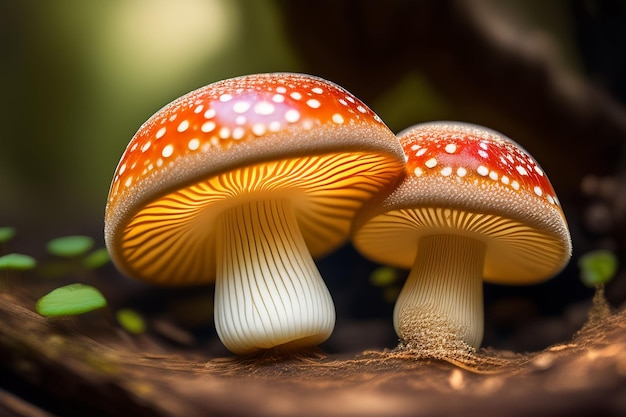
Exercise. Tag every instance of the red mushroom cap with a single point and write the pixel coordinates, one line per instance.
(237, 140)
(467, 179)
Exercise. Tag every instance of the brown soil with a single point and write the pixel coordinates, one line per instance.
(67, 368)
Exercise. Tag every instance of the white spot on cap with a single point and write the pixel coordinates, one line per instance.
(337, 118)
(258, 129)
(482, 170)
(461, 172)
(278, 98)
(295, 95)
(342, 101)
(431, 163)
(193, 144)
(450, 148)
(238, 132)
(225, 97)
(128, 181)
(483, 145)
(160, 132)
(418, 172)
(241, 120)
(281, 90)
(208, 126)
(361, 109)
(198, 109)
(313, 103)
(274, 126)
(241, 107)
(421, 152)
(521, 170)
(515, 185)
(184, 125)
(209, 114)
(505, 180)
(292, 115)
(317, 90)
(350, 99)
(493, 175)
(224, 132)
(146, 146)
(264, 108)
(483, 153)
(538, 170)
(446, 172)
(122, 169)
(538, 190)
(167, 151)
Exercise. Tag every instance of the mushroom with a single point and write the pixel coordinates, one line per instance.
(241, 182)
(473, 205)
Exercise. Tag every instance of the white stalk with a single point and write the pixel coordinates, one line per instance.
(440, 307)
(268, 291)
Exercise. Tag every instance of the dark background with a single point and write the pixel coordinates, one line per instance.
(77, 79)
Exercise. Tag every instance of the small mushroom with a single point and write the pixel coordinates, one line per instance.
(473, 205)
(241, 182)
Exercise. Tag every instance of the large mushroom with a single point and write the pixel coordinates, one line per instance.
(473, 205)
(241, 182)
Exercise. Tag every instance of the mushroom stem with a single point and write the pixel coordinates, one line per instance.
(268, 291)
(440, 307)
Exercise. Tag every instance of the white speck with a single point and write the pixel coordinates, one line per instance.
(160, 133)
(415, 147)
(538, 190)
(128, 181)
(214, 141)
(446, 172)
(224, 133)
(241, 120)
(431, 163)
(173, 117)
(295, 95)
(167, 151)
(146, 146)
(550, 199)
(461, 172)
(133, 165)
(150, 167)
(313, 103)
(193, 144)
(225, 97)
(337, 118)
(515, 185)
(421, 152)
(450, 148)
(307, 125)
(521, 170)
(274, 126)
(122, 169)
(198, 109)
(483, 153)
(493, 175)
(264, 108)
(510, 158)
(292, 115)
(281, 90)
(505, 180)
(483, 145)
(258, 129)
(209, 114)
(238, 132)
(482, 170)
(538, 170)
(342, 101)
(184, 125)
(241, 107)
(159, 162)
(418, 172)
(132, 148)
(361, 109)
(208, 127)
(317, 90)
(350, 99)
(278, 98)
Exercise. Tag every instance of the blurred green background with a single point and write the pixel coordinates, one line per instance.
(78, 78)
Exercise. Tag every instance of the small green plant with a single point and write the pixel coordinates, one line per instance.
(75, 256)
(70, 300)
(6, 234)
(17, 262)
(386, 278)
(131, 321)
(597, 267)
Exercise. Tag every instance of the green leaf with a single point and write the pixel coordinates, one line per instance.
(131, 321)
(70, 246)
(6, 234)
(383, 276)
(17, 261)
(597, 267)
(70, 300)
(97, 259)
